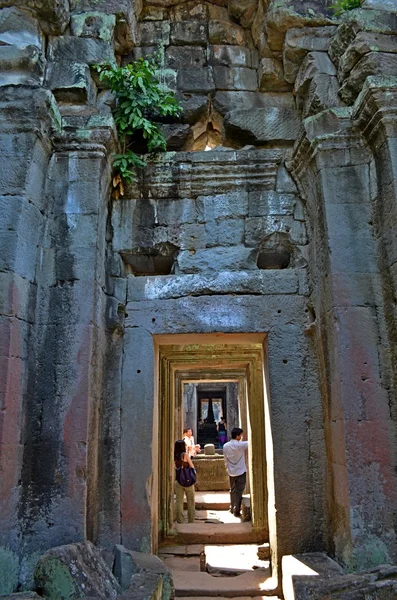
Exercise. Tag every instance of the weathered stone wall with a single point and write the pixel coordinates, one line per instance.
(293, 236)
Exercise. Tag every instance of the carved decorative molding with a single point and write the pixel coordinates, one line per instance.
(192, 174)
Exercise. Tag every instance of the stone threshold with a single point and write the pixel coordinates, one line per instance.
(209, 533)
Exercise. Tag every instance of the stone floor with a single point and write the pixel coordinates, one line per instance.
(217, 556)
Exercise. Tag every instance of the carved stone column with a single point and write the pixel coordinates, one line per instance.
(376, 115)
(60, 467)
(25, 126)
(332, 165)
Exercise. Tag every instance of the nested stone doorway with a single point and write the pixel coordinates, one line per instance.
(238, 363)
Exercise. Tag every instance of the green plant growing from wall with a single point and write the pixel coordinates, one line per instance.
(342, 6)
(141, 99)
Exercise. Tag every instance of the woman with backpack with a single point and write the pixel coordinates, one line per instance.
(185, 478)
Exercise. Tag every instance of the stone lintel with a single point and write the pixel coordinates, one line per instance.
(260, 283)
(192, 174)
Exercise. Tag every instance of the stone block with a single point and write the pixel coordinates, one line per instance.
(178, 136)
(315, 63)
(173, 212)
(261, 125)
(258, 32)
(153, 33)
(126, 13)
(18, 28)
(21, 66)
(73, 571)
(127, 564)
(188, 236)
(212, 260)
(285, 183)
(298, 42)
(231, 56)
(345, 221)
(362, 44)
(197, 81)
(235, 78)
(261, 204)
(211, 472)
(209, 450)
(21, 224)
(322, 94)
(271, 76)
(195, 107)
(243, 11)
(16, 293)
(373, 63)
(387, 5)
(225, 33)
(224, 232)
(225, 101)
(293, 14)
(93, 24)
(375, 21)
(306, 566)
(259, 228)
(189, 10)
(222, 205)
(189, 33)
(72, 83)
(74, 49)
(185, 57)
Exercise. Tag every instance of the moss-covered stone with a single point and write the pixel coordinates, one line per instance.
(9, 571)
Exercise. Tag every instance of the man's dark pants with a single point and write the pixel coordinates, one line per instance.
(237, 485)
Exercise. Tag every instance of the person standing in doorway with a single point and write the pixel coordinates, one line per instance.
(222, 435)
(183, 461)
(192, 448)
(234, 455)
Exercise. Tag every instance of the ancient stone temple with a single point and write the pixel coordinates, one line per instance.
(258, 253)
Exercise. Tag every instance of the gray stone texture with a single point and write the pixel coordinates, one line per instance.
(235, 78)
(271, 76)
(75, 49)
(75, 571)
(190, 33)
(295, 242)
(224, 102)
(373, 63)
(261, 125)
(72, 83)
(298, 42)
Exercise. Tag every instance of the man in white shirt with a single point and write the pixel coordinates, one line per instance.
(234, 454)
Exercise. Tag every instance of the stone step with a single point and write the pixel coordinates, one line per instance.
(210, 533)
(252, 584)
(221, 516)
(212, 500)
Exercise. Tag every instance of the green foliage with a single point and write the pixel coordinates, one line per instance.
(342, 6)
(141, 99)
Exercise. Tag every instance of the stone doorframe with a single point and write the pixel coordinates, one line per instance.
(213, 375)
(242, 362)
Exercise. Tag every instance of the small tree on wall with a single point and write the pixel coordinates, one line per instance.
(342, 6)
(141, 99)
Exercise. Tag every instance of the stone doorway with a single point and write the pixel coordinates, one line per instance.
(204, 363)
